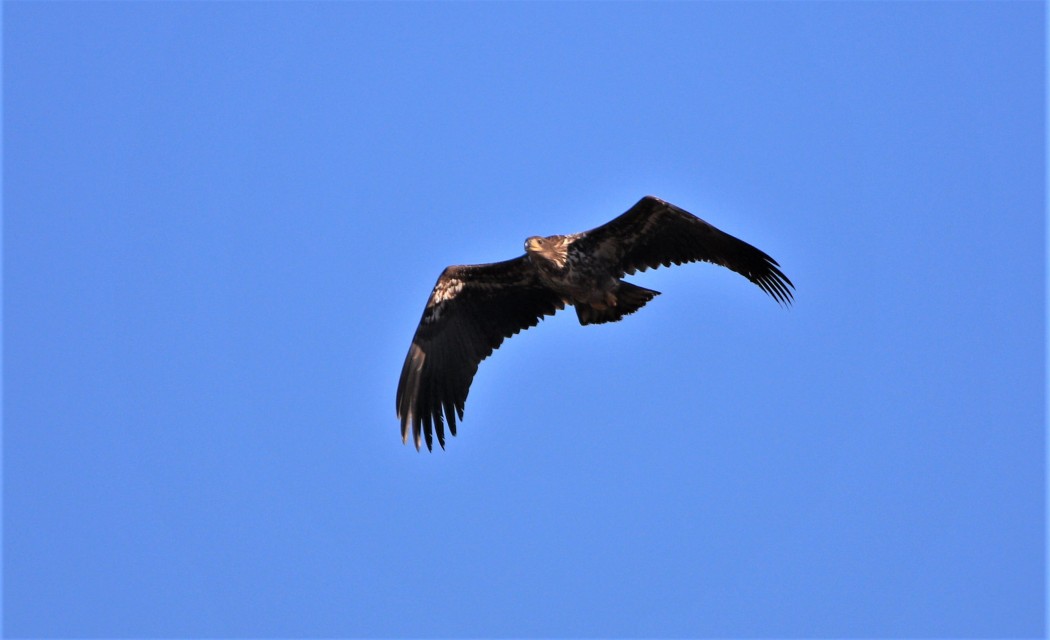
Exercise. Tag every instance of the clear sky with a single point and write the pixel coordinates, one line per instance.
(222, 221)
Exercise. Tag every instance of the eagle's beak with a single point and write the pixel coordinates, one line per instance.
(533, 244)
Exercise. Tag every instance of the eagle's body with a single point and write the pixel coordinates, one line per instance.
(473, 308)
(585, 278)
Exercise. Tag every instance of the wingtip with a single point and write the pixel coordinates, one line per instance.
(404, 441)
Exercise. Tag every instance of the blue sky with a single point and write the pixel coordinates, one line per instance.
(222, 221)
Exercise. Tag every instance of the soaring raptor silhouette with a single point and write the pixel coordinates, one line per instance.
(473, 308)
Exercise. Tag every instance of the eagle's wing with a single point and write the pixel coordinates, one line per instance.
(654, 233)
(472, 309)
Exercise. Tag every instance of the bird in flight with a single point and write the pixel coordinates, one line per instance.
(474, 308)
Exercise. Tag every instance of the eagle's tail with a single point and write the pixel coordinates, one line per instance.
(629, 298)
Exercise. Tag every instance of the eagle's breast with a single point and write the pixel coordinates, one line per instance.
(580, 275)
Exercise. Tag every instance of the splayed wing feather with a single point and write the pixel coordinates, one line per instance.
(471, 311)
(654, 233)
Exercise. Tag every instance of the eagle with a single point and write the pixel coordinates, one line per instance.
(474, 308)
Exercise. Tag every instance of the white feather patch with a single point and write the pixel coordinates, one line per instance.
(447, 290)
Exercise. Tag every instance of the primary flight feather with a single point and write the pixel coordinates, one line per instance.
(474, 308)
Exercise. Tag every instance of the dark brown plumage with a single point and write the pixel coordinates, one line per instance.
(474, 308)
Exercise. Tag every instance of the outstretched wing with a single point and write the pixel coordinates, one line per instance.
(472, 309)
(655, 233)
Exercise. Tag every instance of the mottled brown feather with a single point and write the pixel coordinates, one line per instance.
(654, 233)
(457, 332)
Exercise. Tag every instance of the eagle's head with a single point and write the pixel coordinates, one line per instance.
(552, 249)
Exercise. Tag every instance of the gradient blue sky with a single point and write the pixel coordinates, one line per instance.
(221, 223)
